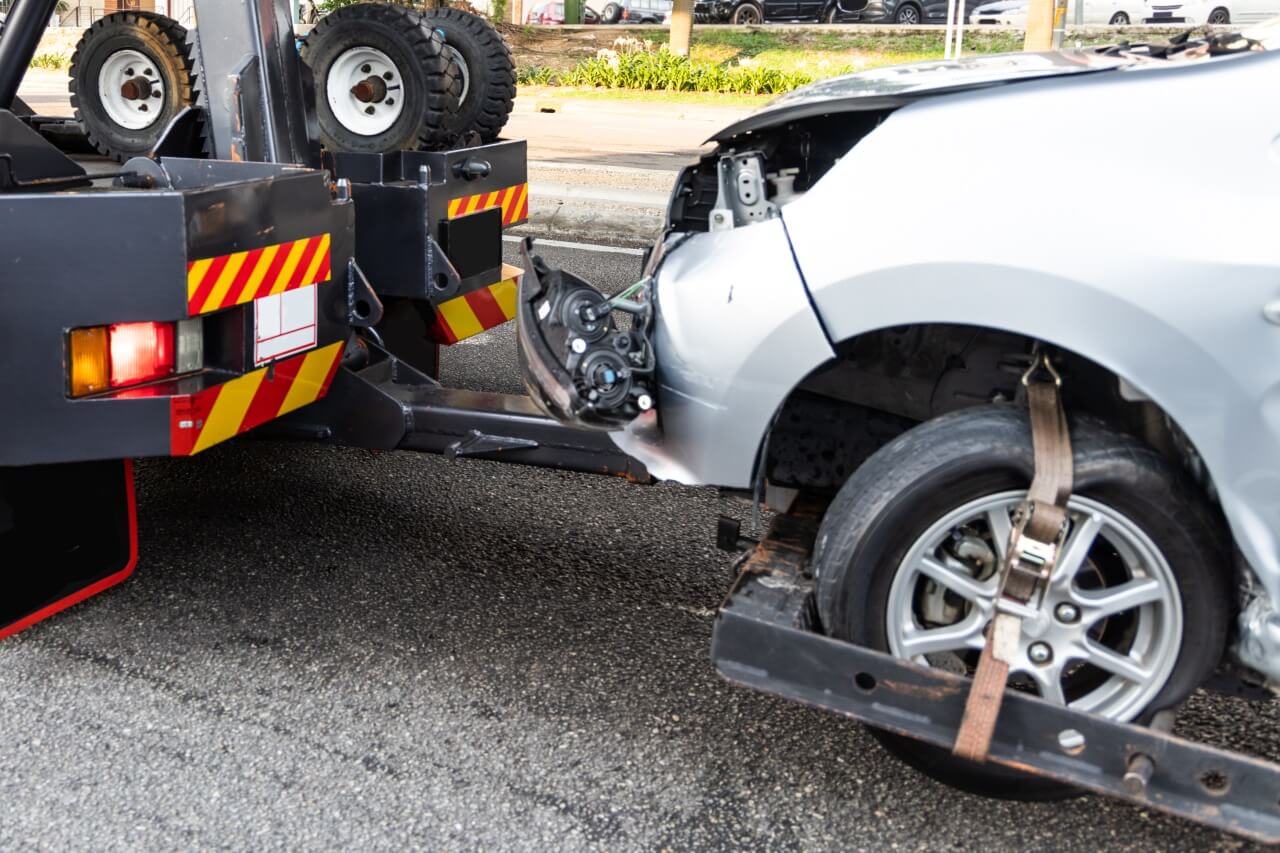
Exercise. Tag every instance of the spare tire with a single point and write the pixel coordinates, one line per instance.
(383, 82)
(488, 73)
(131, 73)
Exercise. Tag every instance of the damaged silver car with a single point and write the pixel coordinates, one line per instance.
(846, 304)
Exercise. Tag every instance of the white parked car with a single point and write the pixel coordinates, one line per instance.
(1229, 11)
(1097, 13)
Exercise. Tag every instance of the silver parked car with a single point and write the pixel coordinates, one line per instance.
(842, 304)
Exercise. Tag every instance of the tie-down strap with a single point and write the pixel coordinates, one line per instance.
(1034, 543)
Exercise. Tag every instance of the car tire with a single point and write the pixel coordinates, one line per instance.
(488, 73)
(908, 15)
(747, 14)
(831, 14)
(120, 124)
(1119, 19)
(1219, 17)
(611, 14)
(873, 530)
(390, 43)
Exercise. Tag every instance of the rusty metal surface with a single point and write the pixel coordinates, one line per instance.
(762, 641)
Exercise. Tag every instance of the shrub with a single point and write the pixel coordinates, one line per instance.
(664, 71)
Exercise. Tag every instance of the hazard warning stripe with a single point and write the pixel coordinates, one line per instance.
(472, 313)
(228, 280)
(199, 421)
(513, 200)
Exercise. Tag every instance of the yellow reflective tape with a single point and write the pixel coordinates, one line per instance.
(454, 204)
(229, 410)
(310, 379)
(314, 269)
(259, 273)
(228, 275)
(520, 196)
(504, 293)
(459, 317)
(196, 274)
(296, 248)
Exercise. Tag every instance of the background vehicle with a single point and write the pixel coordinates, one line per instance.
(769, 11)
(905, 12)
(1013, 13)
(873, 395)
(553, 13)
(1228, 12)
(644, 11)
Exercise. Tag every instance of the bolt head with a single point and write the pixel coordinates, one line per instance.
(1067, 612)
(645, 402)
(1039, 653)
(579, 345)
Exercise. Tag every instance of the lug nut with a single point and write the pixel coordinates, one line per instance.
(1068, 613)
(1040, 653)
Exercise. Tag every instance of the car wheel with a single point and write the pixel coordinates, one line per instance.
(907, 15)
(1120, 19)
(1219, 16)
(488, 73)
(383, 81)
(131, 73)
(611, 13)
(746, 13)
(1135, 616)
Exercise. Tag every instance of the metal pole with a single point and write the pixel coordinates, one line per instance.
(22, 30)
(951, 10)
(960, 4)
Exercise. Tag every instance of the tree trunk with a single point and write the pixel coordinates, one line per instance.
(681, 26)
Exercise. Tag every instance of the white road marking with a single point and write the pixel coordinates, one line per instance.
(582, 247)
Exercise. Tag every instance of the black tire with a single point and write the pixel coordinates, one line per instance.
(746, 13)
(612, 14)
(832, 14)
(908, 15)
(490, 73)
(1119, 19)
(907, 485)
(430, 84)
(161, 40)
(1219, 17)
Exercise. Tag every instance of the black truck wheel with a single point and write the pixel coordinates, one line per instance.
(1134, 618)
(383, 82)
(130, 74)
(488, 73)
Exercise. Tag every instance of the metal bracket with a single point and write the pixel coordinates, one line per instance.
(742, 198)
(477, 443)
(363, 308)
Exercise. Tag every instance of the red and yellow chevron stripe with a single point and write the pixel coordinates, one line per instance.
(227, 280)
(472, 313)
(199, 421)
(514, 202)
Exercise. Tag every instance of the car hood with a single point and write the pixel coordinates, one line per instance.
(898, 85)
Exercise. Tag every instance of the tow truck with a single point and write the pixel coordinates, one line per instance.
(241, 275)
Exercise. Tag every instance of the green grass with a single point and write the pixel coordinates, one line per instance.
(51, 61)
(643, 96)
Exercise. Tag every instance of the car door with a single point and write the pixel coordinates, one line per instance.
(809, 10)
(780, 10)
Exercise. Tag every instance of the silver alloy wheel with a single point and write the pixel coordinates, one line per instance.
(452, 52)
(908, 15)
(1219, 16)
(747, 15)
(365, 91)
(131, 90)
(1106, 636)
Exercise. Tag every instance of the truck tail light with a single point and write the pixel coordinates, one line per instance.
(140, 352)
(125, 354)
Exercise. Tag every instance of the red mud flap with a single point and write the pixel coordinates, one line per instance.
(764, 639)
(67, 532)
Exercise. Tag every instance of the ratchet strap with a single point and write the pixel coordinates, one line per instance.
(1039, 527)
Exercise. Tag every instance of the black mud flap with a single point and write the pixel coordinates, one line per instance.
(67, 532)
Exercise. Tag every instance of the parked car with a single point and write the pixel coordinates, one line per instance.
(902, 12)
(553, 13)
(1013, 13)
(637, 12)
(881, 374)
(1229, 11)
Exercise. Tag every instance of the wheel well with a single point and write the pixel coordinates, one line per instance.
(884, 382)
(910, 3)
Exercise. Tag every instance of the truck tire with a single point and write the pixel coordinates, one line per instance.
(911, 543)
(488, 73)
(383, 82)
(131, 73)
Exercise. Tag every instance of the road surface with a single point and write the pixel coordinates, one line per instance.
(326, 647)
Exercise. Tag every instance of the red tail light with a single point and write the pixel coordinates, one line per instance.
(140, 352)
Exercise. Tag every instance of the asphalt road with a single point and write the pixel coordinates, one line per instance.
(333, 648)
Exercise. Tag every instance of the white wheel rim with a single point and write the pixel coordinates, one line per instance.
(1148, 595)
(352, 75)
(131, 89)
(452, 52)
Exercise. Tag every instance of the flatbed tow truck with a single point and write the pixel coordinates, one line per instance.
(239, 276)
